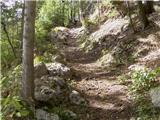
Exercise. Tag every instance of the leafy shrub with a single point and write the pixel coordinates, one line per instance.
(143, 80)
(12, 105)
(122, 79)
(63, 113)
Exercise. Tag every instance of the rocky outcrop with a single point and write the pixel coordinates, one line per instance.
(59, 58)
(59, 35)
(44, 115)
(51, 84)
(53, 69)
(70, 115)
(155, 96)
(40, 70)
(53, 90)
(152, 60)
(58, 69)
(78, 32)
(76, 98)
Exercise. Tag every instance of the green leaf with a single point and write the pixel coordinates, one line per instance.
(24, 112)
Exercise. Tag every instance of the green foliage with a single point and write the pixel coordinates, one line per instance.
(12, 105)
(122, 79)
(51, 13)
(50, 51)
(6, 53)
(143, 80)
(112, 10)
(145, 110)
(112, 14)
(12, 23)
(63, 113)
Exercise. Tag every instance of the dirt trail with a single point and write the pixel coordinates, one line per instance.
(107, 99)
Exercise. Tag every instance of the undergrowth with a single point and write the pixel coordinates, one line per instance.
(12, 106)
(63, 113)
(142, 82)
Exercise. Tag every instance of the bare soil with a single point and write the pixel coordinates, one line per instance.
(107, 98)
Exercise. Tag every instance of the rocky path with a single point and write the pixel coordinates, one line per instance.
(107, 99)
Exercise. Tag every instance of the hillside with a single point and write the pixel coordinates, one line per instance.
(81, 60)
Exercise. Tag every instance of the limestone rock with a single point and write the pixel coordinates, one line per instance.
(51, 89)
(44, 115)
(59, 35)
(137, 67)
(70, 114)
(155, 96)
(75, 98)
(58, 69)
(40, 70)
(44, 94)
(59, 58)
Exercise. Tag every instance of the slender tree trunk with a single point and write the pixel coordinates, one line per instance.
(9, 41)
(149, 7)
(74, 11)
(79, 17)
(142, 14)
(28, 46)
(83, 12)
(22, 23)
(129, 15)
(17, 29)
(63, 7)
(99, 12)
(71, 8)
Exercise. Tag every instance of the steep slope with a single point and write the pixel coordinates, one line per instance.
(99, 58)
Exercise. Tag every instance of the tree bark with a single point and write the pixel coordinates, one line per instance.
(149, 7)
(28, 46)
(129, 15)
(84, 12)
(142, 14)
(79, 17)
(63, 13)
(22, 23)
(99, 10)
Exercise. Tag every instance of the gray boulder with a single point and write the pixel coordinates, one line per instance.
(45, 94)
(59, 58)
(44, 115)
(155, 96)
(76, 98)
(51, 89)
(58, 69)
(40, 70)
(70, 114)
(59, 35)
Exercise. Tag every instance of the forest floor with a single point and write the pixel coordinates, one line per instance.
(107, 98)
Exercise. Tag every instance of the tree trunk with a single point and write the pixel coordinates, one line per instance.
(74, 11)
(84, 12)
(129, 15)
(22, 23)
(63, 14)
(79, 17)
(149, 8)
(9, 41)
(71, 3)
(99, 10)
(28, 46)
(142, 14)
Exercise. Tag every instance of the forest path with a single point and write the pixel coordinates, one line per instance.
(107, 99)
